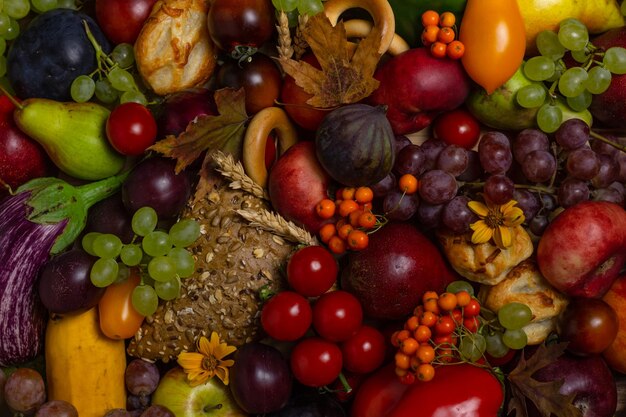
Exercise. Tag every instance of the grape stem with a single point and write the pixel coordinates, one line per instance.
(606, 140)
(535, 187)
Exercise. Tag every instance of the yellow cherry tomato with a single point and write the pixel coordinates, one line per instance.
(495, 41)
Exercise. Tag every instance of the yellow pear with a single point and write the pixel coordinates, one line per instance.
(598, 15)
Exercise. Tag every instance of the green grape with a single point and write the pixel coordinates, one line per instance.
(292, 18)
(82, 88)
(3, 65)
(87, 242)
(581, 56)
(104, 272)
(514, 315)
(285, 5)
(539, 68)
(121, 79)
(67, 4)
(549, 118)
(559, 69)
(623, 8)
(531, 96)
(5, 23)
(107, 245)
(168, 290)
(598, 81)
(45, 5)
(105, 91)
(13, 31)
(573, 36)
(145, 300)
(162, 268)
(184, 261)
(472, 346)
(515, 339)
(144, 221)
(615, 60)
(310, 7)
(17, 9)
(460, 285)
(580, 102)
(123, 273)
(495, 345)
(156, 243)
(572, 21)
(184, 232)
(572, 81)
(549, 46)
(123, 54)
(3, 46)
(131, 254)
(133, 96)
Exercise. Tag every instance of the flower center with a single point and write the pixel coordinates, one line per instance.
(209, 363)
(494, 219)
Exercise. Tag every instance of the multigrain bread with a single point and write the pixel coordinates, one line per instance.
(174, 50)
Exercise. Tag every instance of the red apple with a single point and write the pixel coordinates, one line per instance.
(296, 183)
(584, 248)
(615, 354)
(417, 87)
(390, 276)
(122, 20)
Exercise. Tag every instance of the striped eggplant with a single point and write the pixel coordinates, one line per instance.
(41, 219)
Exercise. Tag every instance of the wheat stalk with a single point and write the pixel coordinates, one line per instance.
(299, 43)
(285, 50)
(233, 170)
(278, 225)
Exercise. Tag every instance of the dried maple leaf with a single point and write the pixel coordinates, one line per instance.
(344, 77)
(224, 131)
(545, 395)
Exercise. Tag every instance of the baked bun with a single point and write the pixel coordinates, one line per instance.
(174, 50)
(485, 263)
(525, 284)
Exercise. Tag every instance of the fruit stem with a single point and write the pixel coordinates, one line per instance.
(344, 383)
(96, 191)
(12, 99)
(607, 141)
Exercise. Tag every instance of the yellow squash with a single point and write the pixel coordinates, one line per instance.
(83, 366)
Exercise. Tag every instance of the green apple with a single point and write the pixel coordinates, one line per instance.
(212, 398)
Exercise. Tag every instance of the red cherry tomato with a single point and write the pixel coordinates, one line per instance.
(337, 315)
(312, 270)
(131, 128)
(121, 20)
(365, 351)
(316, 362)
(457, 127)
(286, 316)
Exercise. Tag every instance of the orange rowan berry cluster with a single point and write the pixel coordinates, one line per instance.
(353, 208)
(431, 335)
(439, 34)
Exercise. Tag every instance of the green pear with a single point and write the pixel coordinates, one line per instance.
(499, 110)
(72, 134)
(211, 399)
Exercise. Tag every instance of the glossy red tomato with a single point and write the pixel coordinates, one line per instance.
(457, 127)
(248, 23)
(316, 362)
(337, 315)
(121, 20)
(131, 128)
(286, 316)
(312, 270)
(365, 351)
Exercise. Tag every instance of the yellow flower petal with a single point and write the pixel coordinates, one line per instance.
(222, 373)
(204, 346)
(510, 204)
(514, 217)
(482, 232)
(223, 350)
(190, 360)
(503, 237)
(479, 208)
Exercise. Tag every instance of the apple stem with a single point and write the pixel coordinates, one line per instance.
(12, 99)
(607, 141)
(213, 407)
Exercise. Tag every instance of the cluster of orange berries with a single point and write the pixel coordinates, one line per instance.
(352, 208)
(431, 335)
(440, 35)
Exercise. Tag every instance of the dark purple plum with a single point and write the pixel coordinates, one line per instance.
(310, 403)
(110, 216)
(260, 381)
(141, 377)
(154, 182)
(64, 283)
(180, 108)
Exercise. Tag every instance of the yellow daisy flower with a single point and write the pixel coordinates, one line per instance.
(496, 221)
(208, 361)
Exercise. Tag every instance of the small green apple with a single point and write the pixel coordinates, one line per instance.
(212, 398)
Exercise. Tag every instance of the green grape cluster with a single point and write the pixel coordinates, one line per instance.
(295, 8)
(508, 333)
(13, 11)
(112, 81)
(161, 256)
(576, 84)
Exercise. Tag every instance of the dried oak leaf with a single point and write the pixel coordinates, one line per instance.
(545, 395)
(224, 131)
(344, 77)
